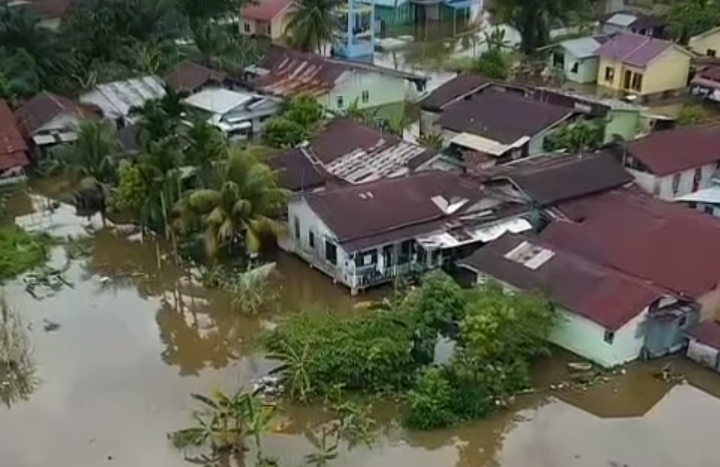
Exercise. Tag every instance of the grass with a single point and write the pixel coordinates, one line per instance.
(21, 251)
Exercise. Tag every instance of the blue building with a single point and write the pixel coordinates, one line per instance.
(355, 39)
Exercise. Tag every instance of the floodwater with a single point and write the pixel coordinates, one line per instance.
(134, 341)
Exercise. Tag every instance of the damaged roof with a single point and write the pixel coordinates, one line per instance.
(13, 150)
(189, 76)
(44, 107)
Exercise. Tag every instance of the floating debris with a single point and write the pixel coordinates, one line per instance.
(47, 280)
(580, 366)
(268, 387)
(50, 326)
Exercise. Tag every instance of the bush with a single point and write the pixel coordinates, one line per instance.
(430, 401)
(21, 251)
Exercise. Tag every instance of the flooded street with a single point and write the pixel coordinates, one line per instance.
(133, 343)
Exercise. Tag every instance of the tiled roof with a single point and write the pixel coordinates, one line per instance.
(662, 243)
(553, 178)
(456, 87)
(13, 150)
(633, 49)
(670, 151)
(601, 294)
(503, 116)
(45, 106)
(189, 76)
(264, 10)
(708, 333)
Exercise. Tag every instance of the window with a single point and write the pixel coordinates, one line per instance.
(296, 227)
(330, 252)
(656, 187)
(558, 59)
(636, 84)
(246, 26)
(609, 74)
(675, 183)
(682, 322)
(709, 209)
(575, 68)
(697, 176)
(311, 239)
(366, 96)
(711, 53)
(340, 102)
(609, 337)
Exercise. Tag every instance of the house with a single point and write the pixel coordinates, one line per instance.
(706, 43)
(238, 115)
(189, 78)
(704, 344)
(116, 100)
(576, 58)
(335, 83)
(351, 152)
(365, 235)
(13, 150)
(604, 312)
(633, 22)
(706, 200)
(499, 123)
(642, 65)
(49, 119)
(706, 83)
(392, 13)
(266, 18)
(659, 242)
(432, 105)
(674, 163)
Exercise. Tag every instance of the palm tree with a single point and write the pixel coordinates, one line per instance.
(159, 119)
(365, 116)
(240, 210)
(220, 48)
(204, 148)
(93, 155)
(313, 24)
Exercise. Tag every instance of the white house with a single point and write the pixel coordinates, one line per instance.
(239, 115)
(576, 57)
(365, 235)
(607, 316)
(335, 83)
(674, 163)
(117, 99)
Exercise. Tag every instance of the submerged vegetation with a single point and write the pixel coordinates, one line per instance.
(17, 369)
(21, 251)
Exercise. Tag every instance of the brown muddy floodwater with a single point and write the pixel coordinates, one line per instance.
(133, 343)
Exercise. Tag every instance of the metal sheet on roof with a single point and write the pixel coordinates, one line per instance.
(485, 145)
(622, 19)
(117, 98)
(483, 233)
(582, 47)
(708, 195)
(42, 140)
(218, 100)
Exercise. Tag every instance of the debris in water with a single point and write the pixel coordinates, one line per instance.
(104, 280)
(51, 279)
(580, 366)
(268, 387)
(50, 326)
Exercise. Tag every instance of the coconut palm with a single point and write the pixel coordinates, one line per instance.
(94, 154)
(159, 119)
(204, 148)
(240, 210)
(313, 24)
(217, 47)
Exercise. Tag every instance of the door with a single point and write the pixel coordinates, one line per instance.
(627, 79)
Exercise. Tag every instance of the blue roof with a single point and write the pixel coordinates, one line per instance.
(385, 3)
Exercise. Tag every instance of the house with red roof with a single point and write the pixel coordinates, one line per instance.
(642, 65)
(266, 18)
(13, 150)
(674, 163)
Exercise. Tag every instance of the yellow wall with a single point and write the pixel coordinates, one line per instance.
(279, 23)
(274, 30)
(667, 72)
(701, 44)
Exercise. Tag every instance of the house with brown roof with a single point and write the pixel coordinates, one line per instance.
(607, 315)
(49, 119)
(643, 65)
(432, 105)
(674, 163)
(13, 150)
(266, 18)
(190, 78)
(351, 152)
(335, 83)
(499, 123)
(368, 234)
(706, 82)
(704, 344)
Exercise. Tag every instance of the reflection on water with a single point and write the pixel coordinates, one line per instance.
(135, 340)
(17, 369)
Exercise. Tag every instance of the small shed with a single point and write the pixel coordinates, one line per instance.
(704, 344)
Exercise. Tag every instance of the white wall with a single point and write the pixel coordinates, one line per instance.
(382, 89)
(662, 187)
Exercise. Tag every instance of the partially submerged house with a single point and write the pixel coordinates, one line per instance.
(706, 43)
(350, 152)
(706, 200)
(604, 312)
(335, 83)
(116, 100)
(674, 163)
(706, 83)
(266, 18)
(369, 234)
(238, 115)
(189, 78)
(643, 65)
(499, 124)
(577, 58)
(704, 344)
(633, 22)
(432, 105)
(49, 119)
(13, 149)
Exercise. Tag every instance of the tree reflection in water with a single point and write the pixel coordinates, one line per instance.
(17, 369)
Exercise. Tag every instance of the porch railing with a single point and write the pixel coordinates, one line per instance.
(368, 276)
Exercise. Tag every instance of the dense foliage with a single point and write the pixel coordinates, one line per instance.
(18, 378)
(580, 136)
(313, 24)
(694, 114)
(300, 120)
(687, 18)
(21, 251)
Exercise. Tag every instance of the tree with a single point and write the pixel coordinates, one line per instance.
(493, 63)
(687, 18)
(205, 148)
(198, 13)
(131, 190)
(431, 140)
(693, 114)
(159, 119)
(430, 401)
(300, 120)
(240, 211)
(313, 24)
(534, 19)
(94, 154)
(581, 136)
(223, 49)
(364, 116)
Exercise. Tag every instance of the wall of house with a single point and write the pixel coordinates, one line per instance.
(279, 23)
(428, 122)
(701, 44)
(668, 72)
(703, 354)
(248, 27)
(662, 187)
(709, 208)
(403, 15)
(710, 304)
(382, 89)
(603, 65)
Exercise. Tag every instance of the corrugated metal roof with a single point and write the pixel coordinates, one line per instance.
(708, 195)
(622, 19)
(218, 101)
(117, 98)
(582, 47)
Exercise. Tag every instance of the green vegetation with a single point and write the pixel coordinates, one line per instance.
(431, 140)
(17, 369)
(390, 350)
(312, 25)
(300, 120)
(21, 251)
(694, 114)
(575, 137)
(687, 18)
